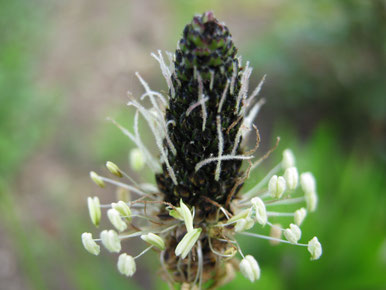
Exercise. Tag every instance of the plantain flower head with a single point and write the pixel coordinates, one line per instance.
(195, 211)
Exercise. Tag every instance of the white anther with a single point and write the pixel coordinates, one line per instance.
(188, 241)
(276, 186)
(126, 265)
(250, 268)
(293, 234)
(94, 209)
(89, 244)
(288, 159)
(116, 220)
(111, 241)
(154, 240)
(291, 177)
(315, 248)
(260, 211)
(300, 215)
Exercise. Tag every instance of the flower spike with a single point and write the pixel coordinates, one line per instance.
(197, 208)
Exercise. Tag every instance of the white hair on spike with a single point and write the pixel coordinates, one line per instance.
(149, 159)
(248, 100)
(223, 97)
(220, 148)
(151, 95)
(159, 113)
(195, 105)
(201, 97)
(223, 158)
(157, 94)
(257, 90)
(244, 85)
(149, 117)
(238, 137)
(166, 72)
(211, 79)
(234, 75)
(248, 120)
(171, 58)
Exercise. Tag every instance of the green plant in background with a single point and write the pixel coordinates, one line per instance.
(196, 211)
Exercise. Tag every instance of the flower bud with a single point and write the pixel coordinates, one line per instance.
(259, 210)
(154, 240)
(276, 186)
(291, 177)
(111, 241)
(311, 200)
(288, 159)
(244, 224)
(186, 244)
(300, 215)
(250, 268)
(116, 220)
(126, 265)
(90, 245)
(307, 181)
(137, 159)
(97, 179)
(123, 209)
(315, 248)
(113, 168)
(293, 233)
(94, 209)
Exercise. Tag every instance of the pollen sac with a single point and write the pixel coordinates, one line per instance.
(207, 84)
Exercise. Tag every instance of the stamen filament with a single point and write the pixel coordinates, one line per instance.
(143, 252)
(252, 192)
(270, 238)
(124, 185)
(272, 213)
(285, 201)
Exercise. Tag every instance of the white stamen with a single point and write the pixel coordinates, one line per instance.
(273, 213)
(216, 252)
(286, 201)
(257, 187)
(143, 252)
(124, 185)
(270, 238)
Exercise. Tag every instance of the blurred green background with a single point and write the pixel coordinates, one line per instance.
(66, 65)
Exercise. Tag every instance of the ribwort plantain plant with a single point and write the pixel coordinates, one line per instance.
(193, 213)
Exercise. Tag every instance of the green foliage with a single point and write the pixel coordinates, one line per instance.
(21, 104)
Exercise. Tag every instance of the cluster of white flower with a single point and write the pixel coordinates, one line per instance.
(250, 209)
(247, 209)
